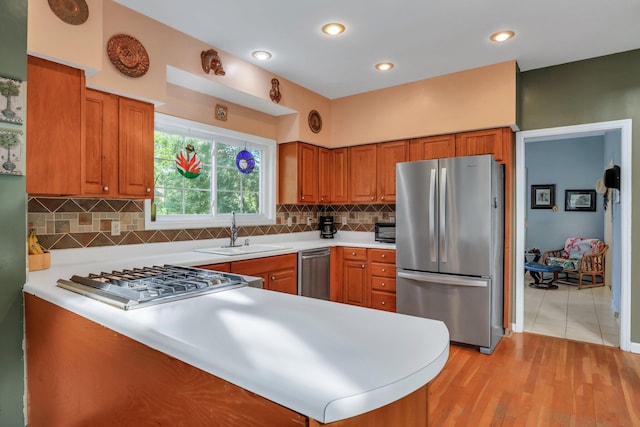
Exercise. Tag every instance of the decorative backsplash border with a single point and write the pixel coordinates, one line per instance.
(63, 223)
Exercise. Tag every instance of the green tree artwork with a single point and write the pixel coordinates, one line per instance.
(10, 89)
(11, 141)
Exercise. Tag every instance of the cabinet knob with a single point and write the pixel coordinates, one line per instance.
(148, 190)
(382, 284)
(302, 198)
(372, 198)
(105, 188)
(384, 269)
(273, 277)
(384, 255)
(362, 266)
(381, 197)
(383, 302)
(353, 253)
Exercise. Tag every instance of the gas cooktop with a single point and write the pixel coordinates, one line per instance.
(141, 287)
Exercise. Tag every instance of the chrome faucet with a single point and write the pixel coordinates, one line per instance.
(233, 231)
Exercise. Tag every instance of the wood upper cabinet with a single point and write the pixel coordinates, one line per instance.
(389, 154)
(297, 173)
(55, 126)
(363, 173)
(339, 175)
(118, 147)
(101, 144)
(279, 273)
(325, 170)
(480, 142)
(135, 145)
(432, 147)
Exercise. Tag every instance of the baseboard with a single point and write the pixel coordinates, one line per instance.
(634, 347)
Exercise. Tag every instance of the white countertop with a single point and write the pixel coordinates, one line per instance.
(325, 360)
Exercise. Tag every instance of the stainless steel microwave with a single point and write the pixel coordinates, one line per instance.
(385, 232)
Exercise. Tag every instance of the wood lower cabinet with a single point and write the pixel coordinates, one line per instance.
(54, 128)
(355, 277)
(225, 267)
(279, 273)
(383, 279)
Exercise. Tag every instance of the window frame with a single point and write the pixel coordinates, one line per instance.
(167, 123)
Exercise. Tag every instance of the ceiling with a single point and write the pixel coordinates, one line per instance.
(423, 38)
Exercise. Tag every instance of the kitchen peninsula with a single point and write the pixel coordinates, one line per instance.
(244, 356)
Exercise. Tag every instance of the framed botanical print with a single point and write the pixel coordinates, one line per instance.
(11, 101)
(543, 196)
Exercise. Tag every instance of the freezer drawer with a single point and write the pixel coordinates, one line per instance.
(463, 304)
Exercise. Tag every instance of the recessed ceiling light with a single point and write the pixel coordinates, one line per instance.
(501, 36)
(333, 29)
(261, 55)
(384, 66)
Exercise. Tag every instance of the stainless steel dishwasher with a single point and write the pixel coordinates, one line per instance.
(314, 272)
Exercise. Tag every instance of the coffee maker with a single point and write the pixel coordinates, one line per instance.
(327, 227)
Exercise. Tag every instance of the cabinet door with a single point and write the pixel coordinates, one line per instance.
(101, 144)
(355, 283)
(308, 173)
(480, 142)
(339, 175)
(383, 301)
(433, 147)
(221, 266)
(55, 122)
(389, 154)
(284, 281)
(135, 136)
(362, 173)
(325, 168)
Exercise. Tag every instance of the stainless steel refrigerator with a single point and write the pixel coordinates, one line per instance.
(449, 241)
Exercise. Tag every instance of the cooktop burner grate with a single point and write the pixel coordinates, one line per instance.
(138, 287)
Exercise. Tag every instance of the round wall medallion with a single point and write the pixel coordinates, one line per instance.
(315, 121)
(74, 12)
(128, 55)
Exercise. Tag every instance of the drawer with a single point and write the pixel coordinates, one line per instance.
(355, 253)
(382, 255)
(383, 301)
(383, 284)
(384, 270)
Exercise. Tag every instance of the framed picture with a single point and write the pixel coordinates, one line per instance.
(11, 101)
(580, 200)
(543, 196)
(11, 151)
(221, 112)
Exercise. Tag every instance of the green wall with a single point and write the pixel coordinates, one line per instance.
(13, 208)
(594, 90)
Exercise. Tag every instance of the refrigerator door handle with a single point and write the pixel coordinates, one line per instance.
(432, 219)
(443, 215)
(442, 279)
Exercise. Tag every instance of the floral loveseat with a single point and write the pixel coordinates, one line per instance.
(580, 257)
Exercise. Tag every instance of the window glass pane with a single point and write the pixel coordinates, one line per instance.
(226, 155)
(251, 182)
(166, 146)
(169, 202)
(197, 202)
(203, 181)
(229, 179)
(228, 202)
(251, 203)
(202, 147)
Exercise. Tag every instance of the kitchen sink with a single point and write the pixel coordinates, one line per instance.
(241, 250)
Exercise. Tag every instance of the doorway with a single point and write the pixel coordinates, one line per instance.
(578, 131)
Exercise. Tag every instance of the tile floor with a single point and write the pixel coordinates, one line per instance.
(581, 315)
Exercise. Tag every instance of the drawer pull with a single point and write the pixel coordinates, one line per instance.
(382, 284)
(383, 303)
(106, 188)
(273, 277)
(384, 269)
(353, 253)
(384, 255)
(362, 266)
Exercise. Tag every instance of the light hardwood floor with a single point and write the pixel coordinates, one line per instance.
(536, 380)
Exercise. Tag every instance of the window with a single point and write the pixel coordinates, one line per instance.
(210, 186)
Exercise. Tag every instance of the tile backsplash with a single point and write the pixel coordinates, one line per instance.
(63, 223)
